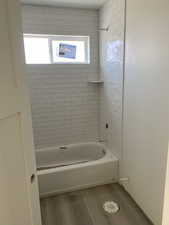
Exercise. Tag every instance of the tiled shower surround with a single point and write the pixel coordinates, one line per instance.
(111, 69)
(65, 107)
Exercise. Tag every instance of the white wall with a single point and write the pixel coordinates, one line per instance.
(146, 116)
(65, 108)
(111, 70)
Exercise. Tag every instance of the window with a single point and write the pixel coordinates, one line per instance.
(45, 49)
(36, 50)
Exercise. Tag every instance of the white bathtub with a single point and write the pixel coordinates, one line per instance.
(73, 167)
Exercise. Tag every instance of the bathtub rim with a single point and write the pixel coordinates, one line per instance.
(70, 145)
(108, 157)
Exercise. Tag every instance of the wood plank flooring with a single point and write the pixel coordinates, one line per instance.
(86, 208)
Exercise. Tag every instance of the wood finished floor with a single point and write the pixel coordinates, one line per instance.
(86, 208)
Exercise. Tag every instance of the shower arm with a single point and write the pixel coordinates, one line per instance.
(104, 29)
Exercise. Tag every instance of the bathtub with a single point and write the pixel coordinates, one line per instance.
(72, 167)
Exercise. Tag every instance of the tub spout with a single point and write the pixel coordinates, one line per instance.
(63, 148)
(102, 141)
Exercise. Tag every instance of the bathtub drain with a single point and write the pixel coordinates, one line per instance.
(111, 207)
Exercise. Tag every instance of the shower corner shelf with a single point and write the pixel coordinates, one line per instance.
(95, 81)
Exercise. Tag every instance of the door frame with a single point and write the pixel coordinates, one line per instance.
(18, 57)
(166, 196)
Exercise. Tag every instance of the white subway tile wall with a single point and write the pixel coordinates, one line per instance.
(65, 108)
(111, 70)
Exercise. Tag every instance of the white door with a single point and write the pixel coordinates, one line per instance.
(19, 197)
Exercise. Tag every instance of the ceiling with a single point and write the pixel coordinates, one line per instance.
(95, 4)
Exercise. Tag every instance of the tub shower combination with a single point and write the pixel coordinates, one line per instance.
(75, 166)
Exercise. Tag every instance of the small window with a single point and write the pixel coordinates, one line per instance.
(45, 49)
(36, 50)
